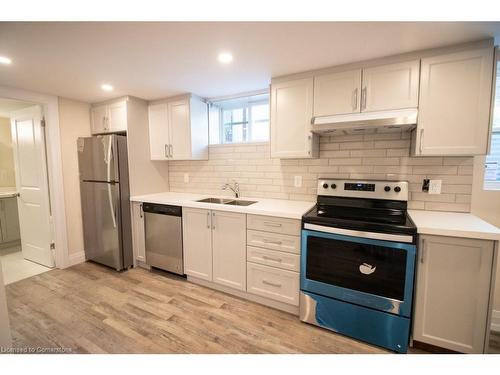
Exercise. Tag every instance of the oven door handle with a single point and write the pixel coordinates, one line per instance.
(362, 234)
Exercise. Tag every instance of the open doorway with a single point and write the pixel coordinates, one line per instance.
(25, 220)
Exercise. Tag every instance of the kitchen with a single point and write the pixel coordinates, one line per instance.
(347, 196)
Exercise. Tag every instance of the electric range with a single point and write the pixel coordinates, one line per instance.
(358, 261)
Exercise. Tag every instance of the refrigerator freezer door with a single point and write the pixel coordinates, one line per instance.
(102, 223)
(97, 158)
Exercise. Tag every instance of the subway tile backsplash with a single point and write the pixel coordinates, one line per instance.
(368, 156)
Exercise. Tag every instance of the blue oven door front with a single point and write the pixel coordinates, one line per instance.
(374, 273)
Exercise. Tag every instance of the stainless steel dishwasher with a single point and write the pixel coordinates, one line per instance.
(163, 228)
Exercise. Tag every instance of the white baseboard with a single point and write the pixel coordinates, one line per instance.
(76, 258)
(495, 321)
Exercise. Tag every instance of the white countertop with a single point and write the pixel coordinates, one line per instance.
(6, 192)
(269, 207)
(454, 224)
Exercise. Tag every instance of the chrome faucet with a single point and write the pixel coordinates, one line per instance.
(235, 188)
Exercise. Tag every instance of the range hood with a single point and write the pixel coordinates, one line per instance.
(366, 122)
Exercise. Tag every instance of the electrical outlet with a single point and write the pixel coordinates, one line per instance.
(297, 181)
(186, 177)
(435, 186)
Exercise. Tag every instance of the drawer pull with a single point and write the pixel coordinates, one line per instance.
(272, 258)
(269, 224)
(271, 283)
(273, 242)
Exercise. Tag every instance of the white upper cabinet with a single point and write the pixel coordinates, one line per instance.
(337, 93)
(389, 87)
(291, 114)
(178, 129)
(158, 131)
(454, 107)
(109, 118)
(98, 119)
(117, 116)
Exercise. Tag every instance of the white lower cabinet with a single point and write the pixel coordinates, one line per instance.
(273, 283)
(197, 242)
(229, 249)
(452, 292)
(138, 237)
(278, 259)
(215, 246)
(9, 220)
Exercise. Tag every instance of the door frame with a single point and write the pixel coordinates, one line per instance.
(50, 106)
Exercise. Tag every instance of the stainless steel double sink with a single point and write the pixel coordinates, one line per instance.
(232, 202)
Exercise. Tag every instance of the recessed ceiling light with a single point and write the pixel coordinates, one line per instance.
(106, 87)
(5, 60)
(225, 57)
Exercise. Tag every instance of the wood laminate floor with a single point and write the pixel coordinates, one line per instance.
(92, 309)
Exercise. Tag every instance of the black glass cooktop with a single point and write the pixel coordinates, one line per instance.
(375, 215)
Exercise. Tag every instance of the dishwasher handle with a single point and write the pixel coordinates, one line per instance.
(162, 209)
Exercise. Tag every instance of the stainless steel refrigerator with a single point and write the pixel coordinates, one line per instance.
(104, 190)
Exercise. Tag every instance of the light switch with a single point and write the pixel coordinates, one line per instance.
(435, 186)
(186, 177)
(297, 181)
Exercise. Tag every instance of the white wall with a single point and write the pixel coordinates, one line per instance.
(486, 205)
(368, 156)
(7, 176)
(74, 122)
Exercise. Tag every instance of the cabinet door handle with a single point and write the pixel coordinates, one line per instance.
(166, 151)
(422, 252)
(277, 285)
(171, 150)
(421, 140)
(208, 220)
(141, 212)
(269, 224)
(213, 220)
(355, 99)
(272, 242)
(271, 258)
(363, 98)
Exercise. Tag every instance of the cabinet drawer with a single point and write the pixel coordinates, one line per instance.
(274, 224)
(273, 283)
(274, 241)
(273, 258)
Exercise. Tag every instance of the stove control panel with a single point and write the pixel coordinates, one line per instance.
(393, 190)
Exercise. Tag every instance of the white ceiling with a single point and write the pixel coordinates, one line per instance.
(155, 60)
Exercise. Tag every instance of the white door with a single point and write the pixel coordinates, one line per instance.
(337, 93)
(393, 86)
(454, 108)
(179, 126)
(28, 142)
(291, 115)
(117, 116)
(452, 292)
(229, 249)
(158, 132)
(197, 242)
(99, 119)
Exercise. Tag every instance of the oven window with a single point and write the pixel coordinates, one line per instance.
(367, 268)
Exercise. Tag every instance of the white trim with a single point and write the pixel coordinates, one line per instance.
(75, 258)
(495, 320)
(54, 164)
(357, 233)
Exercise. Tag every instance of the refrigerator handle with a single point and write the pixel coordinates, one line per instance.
(111, 205)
